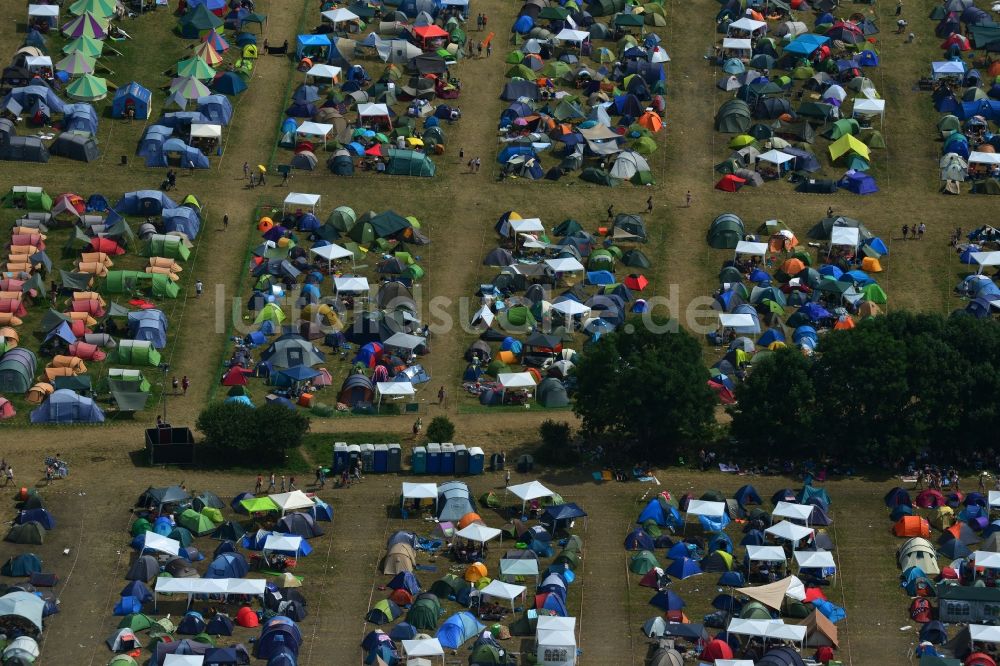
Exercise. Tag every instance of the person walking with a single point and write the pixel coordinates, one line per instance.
(461, 155)
(285, 176)
(920, 231)
(282, 489)
(506, 479)
(687, 199)
(418, 425)
(320, 477)
(479, 50)
(485, 19)
(199, 286)
(489, 48)
(259, 486)
(10, 475)
(611, 212)
(185, 384)
(442, 394)
(270, 483)
(291, 483)
(906, 231)
(899, 8)
(246, 170)
(253, 180)
(478, 163)
(176, 384)
(225, 222)
(649, 205)
(262, 172)
(829, 211)
(479, 21)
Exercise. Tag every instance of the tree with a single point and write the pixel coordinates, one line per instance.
(555, 448)
(774, 406)
(644, 388)
(441, 429)
(236, 433)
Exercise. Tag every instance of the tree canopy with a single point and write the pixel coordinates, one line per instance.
(240, 434)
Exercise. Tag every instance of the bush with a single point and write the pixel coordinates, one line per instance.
(323, 411)
(556, 446)
(236, 434)
(441, 429)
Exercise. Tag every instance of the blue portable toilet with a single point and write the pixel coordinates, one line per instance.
(461, 460)
(368, 458)
(448, 459)
(433, 458)
(381, 464)
(419, 460)
(353, 455)
(340, 458)
(477, 460)
(395, 457)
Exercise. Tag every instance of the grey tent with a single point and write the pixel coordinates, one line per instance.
(17, 370)
(75, 147)
(24, 149)
(552, 393)
(726, 231)
(130, 401)
(733, 117)
(291, 350)
(145, 568)
(636, 259)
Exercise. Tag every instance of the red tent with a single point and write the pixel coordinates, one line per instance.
(91, 306)
(236, 376)
(730, 183)
(87, 352)
(6, 409)
(717, 649)
(107, 246)
(636, 282)
(425, 33)
(375, 151)
(245, 617)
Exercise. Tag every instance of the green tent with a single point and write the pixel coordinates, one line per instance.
(873, 139)
(725, 232)
(199, 524)
(200, 19)
(754, 610)
(259, 505)
(517, 316)
(127, 379)
(136, 622)
(514, 58)
(567, 227)
(644, 145)
(88, 46)
(87, 88)
(521, 72)
(195, 67)
(136, 352)
(423, 615)
(140, 526)
(363, 233)
(874, 294)
(556, 69)
(342, 218)
(122, 660)
(642, 178)
(733, 117)
(31, 532)
(643, 562)
(598, 177)
(568, 111)
(29, 198)
(553, 13)
(570, 558)
(164, 287)
(449, 585)
(988, 186)
(843, 127)
(496, 367)
(636, 259)
(171, 247)
(270, 312)
(123, 282)
(388, 223)
(212, 514)
(409, 163)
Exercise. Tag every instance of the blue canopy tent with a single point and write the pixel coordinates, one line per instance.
(313, 46)
(134, 96)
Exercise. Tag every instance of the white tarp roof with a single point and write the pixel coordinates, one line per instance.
(43, 10)
(160, 543)
(736, 320)
(986, 559)
(530, 490)
(815, 559)
(339, 14)
(567, 35)
(184, 660)
(425, 647)
(749, 247)
(283, 542)
(869, 106)
(766, 553)
(38, 61)
(984, 158)
(788, 530)
(564, 265)
(485, 314)
(292, 501)
(994, 499)
(332, 252)
(555, 631)
(324, 71)
(404, 341)
(525, 567)
(706, 508)
(945, 67)
(792, 510)
(747, 24)
(309, 128)
(845, 236)
(986, 258)
(351, 283)
(478, 533)
(775, 157)
(372, 110)
(502, 590)
(509, 380)
(252, 586)
(395, 388)
(301, 199)
(420, 490)
(775, 629)
(527, 225)
(984, 633)
(570, 307)
(736, 44)
(206, 131)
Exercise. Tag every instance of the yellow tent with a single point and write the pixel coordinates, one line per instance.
(848, 144)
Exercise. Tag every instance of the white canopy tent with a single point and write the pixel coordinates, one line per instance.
(743, 48)
(281, 543)
(49, 13)
(484, 315)
(406, 341)
(339, 15)
(986, 560)
(184, 660)
(864, 106)
(531, 490)
(556, 641)
(160, 544)
(770, 629)
(332, 253)
(479, 533)
(985, 259)
(789, 531)
(209, 586)
(751, 248)
(528, 225)
(420, 491)
(424, 647)
(310, 131)
(748, 24)
(372, 110)
(945, 68)
(705, 508)
(815, 559)
(292, 501)
(515, 380)
(976, 157)
(394, 390)
(575, 36)
(984, 633)
(351, 284)
(766, 554)
(571, 308)
(301, 200)
(206, 131)
(729, 320)
(775, 157)
(500, 590)
(522, 567)
(849, 236)
(565, 265)
(793, 510)
(321, 71)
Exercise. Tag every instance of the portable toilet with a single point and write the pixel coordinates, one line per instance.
(433, 458)
(395, 458)
(353, 455)
(419, 460)
(341, 460)
(461, 460)
(381, 465)
(476, 460)
(368, 458)
(497, 462)
(448, 459)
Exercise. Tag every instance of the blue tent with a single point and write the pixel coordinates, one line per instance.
(523, 24)
(183, 219)
(22, 565)
(144, 203)
(867, 59)
(128, 606)
(32, 98)
(135, 96)
(683, 568)
(681, 549)
(220, 625)
(405, 580)
(832, 612)
(149, 325)
(637, 539)
(192, 624)
(61, 332)
(732, 579)
(65, 406)
(228, 83)
(36, 515)
(748, 494)
(216, 108)
(228, 565)
(510, 151)
(404, 631)
(858, 183)
(211, 5)
(80, 118)
(667, 600)
(600, 277)
(771, 335)
(186, 156)
(805, 45)
(458, 629)
(137, 589)
(312, 45)
(279, 633)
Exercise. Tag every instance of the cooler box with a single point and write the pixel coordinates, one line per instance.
(306, 400)
(395, 457)
(448, 459)
(477, 460)
(433, 458)
(461, 460)
(381, 465)
(419, 460)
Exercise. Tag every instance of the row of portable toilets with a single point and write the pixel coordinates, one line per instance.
(447, 459)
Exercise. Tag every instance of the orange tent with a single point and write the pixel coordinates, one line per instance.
(468, 519)
(265, 225)
(912, 526)
(651, 121)
(792, 266)
(475, 571)
(871, 265)
(845, 323)
(11, 337)
(869, 309)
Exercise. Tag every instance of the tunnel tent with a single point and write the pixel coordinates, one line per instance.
(65, 406)
(27, 197)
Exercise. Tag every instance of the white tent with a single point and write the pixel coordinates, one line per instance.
(976, 157)
(743, 46)
(301, 200)
(570, 308)
(771, 629)
(394, 390)
(371, 110)
(766, 553)
(748, 24)
(424, 647)
(984, 633)
(575, 36)
(815, 559)
(986, 259)
(727, 320)
(986, 560)
(706, 508)
(775, 157)
(160, 543)
(321, 71)
(565, 265)
(868, 107)
(332, 253)
(500, 590)
(556, 641)
(479, 533)
(530, 490)
(849, 236)
(212, 586)
(484, 315)
(184, 660)
(339, 15)
(522, 567)
(793, 510)
(311, 131)
(46, 12)
(351, 284)
(404, 341)
(788, 531)
(515, 380)
(292, 501)
(527, 225)
(751, 248)
(206, 131)
(947, 68)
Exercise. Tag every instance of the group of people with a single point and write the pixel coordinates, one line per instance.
(916, 231)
